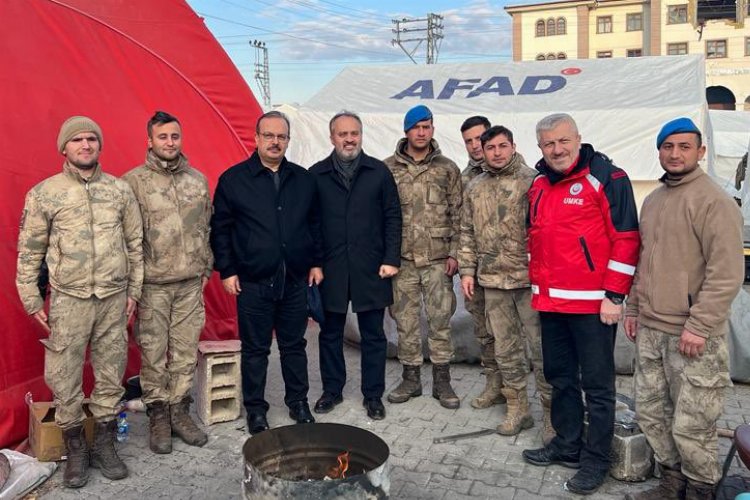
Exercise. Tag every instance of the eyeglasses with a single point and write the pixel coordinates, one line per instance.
(270, 137)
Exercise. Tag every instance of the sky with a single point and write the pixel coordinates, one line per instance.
(311, 41)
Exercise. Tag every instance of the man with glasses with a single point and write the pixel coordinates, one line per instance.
(265, 235)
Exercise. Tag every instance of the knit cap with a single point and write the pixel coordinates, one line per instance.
(677, 126)
(415, 115)
(75, 125)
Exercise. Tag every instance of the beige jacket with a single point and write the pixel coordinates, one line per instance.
(430, 193)
(176, 209)
(691, 265)
(89, 232)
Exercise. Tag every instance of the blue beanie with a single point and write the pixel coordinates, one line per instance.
(676, 126)
(415, 115)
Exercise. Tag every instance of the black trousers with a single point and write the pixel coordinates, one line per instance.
(373, 350)
(260, 311)
(578, 352)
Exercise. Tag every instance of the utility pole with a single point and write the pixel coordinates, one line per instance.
(433, 33)
(262, 75)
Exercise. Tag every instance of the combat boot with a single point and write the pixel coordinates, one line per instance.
(103, 454)
(548, 432)
(183, 425)
(441, 386)
(697, 490)
(491, 395)
(159, 427)
(517, 416)
(671, 487)
(410, 386)
(77, 467)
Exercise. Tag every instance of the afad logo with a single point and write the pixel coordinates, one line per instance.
(500, 85)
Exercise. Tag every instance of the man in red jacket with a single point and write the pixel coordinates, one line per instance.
(583, 246)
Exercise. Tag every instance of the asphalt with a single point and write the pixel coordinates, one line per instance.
(484, 467)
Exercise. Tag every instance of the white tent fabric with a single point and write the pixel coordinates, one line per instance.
(731, 133)
(619, 104)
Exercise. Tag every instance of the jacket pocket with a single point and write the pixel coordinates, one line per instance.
(672, 300)
(440, 242)
(436, 194)
(586, 253)
(710, 370)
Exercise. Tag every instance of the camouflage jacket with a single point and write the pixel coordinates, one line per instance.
(430, 193)
(493, 227)
(89, 232)
(176, 210)
(473, 168)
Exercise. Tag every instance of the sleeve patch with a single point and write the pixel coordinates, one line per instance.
(619, 174)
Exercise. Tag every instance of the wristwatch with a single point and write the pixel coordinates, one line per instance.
(616, 298)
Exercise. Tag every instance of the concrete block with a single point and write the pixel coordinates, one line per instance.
(218, 383)
(632, 457)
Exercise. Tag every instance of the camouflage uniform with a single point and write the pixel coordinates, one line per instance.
(430, 193)
(176, 209)
(680, 399)
(475, 306)
(89, 231)
(493, 247)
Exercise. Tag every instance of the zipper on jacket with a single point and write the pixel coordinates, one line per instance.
(91, 229)
(586, 253)
(536, 203)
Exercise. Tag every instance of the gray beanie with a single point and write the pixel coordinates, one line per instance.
(75, 125)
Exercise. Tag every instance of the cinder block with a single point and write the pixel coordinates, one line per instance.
(218, 386)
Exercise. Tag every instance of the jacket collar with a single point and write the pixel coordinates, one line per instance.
(682, 180)
(364, 161)
(256, 167)
(584, 158)
(156, 164)
(517, 161)
(403, 157)
(73, 173)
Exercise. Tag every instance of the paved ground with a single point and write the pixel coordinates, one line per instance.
(488, 467)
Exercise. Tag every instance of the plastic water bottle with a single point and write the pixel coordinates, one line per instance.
(122, 427)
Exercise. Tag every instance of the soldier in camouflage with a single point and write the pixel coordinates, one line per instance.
(429, 186)
(176, 210)
(493, 248)
(471, 132)
(87, 227)
(689, 272)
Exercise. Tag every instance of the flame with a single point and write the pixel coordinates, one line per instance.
(339, 472)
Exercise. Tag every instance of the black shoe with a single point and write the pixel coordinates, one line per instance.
(548, 456)
(375, 408)
(256, 422)
(300, 412)
(586, 481)
(327, 401)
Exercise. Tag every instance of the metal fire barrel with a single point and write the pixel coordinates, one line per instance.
(293, 462)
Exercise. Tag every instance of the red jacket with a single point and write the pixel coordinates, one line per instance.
(583, 235)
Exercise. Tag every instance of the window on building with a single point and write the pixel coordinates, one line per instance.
(677, 14)
(604, 54)
(677, 49)
(540, 27)
(747, 45)
(551, 31)
(561, 26)
(562, 55)
(540, 57)
(716, 49)
(635, 52)
(634, 22)
(604, 24)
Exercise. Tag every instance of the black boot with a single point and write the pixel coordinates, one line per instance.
(77, 467)
(159, 427)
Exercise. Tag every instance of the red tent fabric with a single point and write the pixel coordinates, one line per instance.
(116, 61)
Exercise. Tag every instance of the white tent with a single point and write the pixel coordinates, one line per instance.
(731, 132)
(619, 104)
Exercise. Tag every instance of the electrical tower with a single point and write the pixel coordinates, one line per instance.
(262, 75)
(433, 34)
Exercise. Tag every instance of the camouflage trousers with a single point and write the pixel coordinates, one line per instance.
(679, 400)
(75, 324)
(412, 286)
(486, 341)
(515, 328)
(170, 319)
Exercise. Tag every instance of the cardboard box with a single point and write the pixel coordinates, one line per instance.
(45, 437)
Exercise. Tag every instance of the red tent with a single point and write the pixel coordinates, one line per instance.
(116, 61)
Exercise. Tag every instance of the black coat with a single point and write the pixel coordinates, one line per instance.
(253, 227)
(361, 230)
